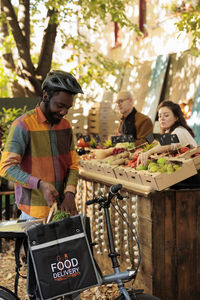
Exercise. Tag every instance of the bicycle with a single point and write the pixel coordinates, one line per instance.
(117, 277)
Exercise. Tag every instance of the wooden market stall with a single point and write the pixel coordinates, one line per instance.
(167, 223)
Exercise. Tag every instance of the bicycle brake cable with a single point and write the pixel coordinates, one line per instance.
(121, 213)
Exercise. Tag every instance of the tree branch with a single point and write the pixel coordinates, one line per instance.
(26, 70)
(8, 61)
(48, 44)
(24, 20)
(7, 57)
(19, 38)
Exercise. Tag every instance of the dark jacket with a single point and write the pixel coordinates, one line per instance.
(137, 124)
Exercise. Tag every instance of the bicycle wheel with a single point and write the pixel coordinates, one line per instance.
(6, 294)
(134, 295)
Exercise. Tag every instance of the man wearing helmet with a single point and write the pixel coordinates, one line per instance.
(39, 155)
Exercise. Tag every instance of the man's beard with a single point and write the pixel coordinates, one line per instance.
(50, 115)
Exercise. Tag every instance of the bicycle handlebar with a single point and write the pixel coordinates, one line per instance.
(89, 202)
(114, 189)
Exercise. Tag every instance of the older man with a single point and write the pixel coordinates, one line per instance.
(132, 121)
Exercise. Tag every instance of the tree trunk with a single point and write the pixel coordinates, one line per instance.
(47, 48)
(8, 61)
(24, 20)
(29, 78)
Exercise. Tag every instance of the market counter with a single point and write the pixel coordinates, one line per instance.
(168, 226)
(129, 186)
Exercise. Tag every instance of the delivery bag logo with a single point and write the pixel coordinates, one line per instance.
(65, 267)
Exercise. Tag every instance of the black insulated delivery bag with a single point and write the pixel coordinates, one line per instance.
(62, 258)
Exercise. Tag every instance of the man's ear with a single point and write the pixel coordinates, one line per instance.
(45, 98)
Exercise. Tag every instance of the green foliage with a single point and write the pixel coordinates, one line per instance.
(108, 143)
(8, 44)
(59, 215)
(86, 10)
(190, 23)
(114, 8)
(7, 116)
(171, 6)
(4, 82)
(189, 20)
(93, 65)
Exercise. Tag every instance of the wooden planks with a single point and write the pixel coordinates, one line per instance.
(168, 225)
(187, 243)
(163, 245)
(175, 244)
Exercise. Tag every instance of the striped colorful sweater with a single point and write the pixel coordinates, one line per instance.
(36, 150)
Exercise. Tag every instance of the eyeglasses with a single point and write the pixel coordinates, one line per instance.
(120, 101)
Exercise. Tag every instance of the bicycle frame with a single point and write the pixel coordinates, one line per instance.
(118, 276)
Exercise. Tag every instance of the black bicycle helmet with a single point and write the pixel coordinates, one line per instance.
(60, 80)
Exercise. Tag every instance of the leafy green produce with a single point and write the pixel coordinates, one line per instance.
(125, 145)
(93, 143)
(59, 215)
(107, 144)
(140, 167)
(161, 161)
(148, 147)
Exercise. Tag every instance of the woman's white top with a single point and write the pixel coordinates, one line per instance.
(184, 137)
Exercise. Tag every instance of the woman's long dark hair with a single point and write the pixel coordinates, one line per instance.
(175, 108)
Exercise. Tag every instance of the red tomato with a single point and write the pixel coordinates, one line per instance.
(81, 143)
(184, 149)
(135, 157)
(132, 164)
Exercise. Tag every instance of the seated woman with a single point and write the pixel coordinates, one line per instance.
(171, 120)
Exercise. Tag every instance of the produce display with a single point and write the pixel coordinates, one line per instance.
(108, 144)
(122, 154)
(82, 144)
(122, 162)
(119, 157)
(161, 165)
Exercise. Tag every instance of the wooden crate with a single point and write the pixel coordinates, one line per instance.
(160, 181)
(98, 119)
(109, 170)
(90, 166)
(120, 173)
(113, 122)
(78, 120)
(195, 159)
(83, 164)
(133, 175)
(98, 168)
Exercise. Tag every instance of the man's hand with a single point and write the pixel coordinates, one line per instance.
(49, 192)
(68, 204)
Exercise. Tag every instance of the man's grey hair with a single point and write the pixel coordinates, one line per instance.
(124, 94)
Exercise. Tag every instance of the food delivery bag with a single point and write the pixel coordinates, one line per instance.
(62, 257)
